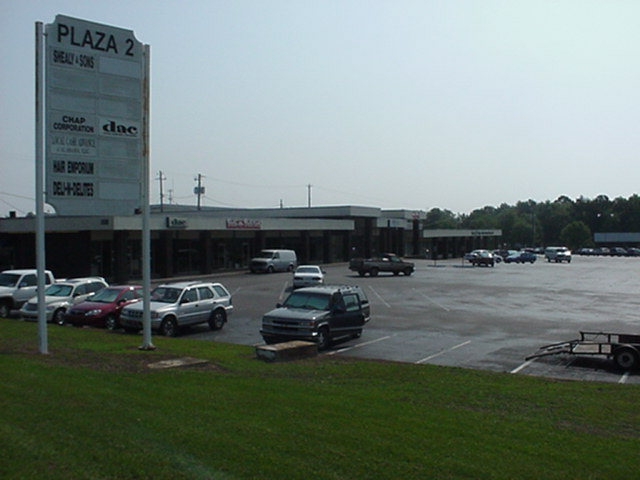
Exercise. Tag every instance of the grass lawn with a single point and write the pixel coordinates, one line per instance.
(93, 409)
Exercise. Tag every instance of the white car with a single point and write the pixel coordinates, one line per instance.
(60, 296)
(308, 276)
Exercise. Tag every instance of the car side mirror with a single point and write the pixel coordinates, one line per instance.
(278, 305)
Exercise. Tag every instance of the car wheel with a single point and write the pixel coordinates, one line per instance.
(217, 319)
(270, 269)
(58, 317)
(111, 323)
(361, 273)
(169, 327)
(324, 340)
(408, 272)
(373, 272)
(626, 358)
(4, 310)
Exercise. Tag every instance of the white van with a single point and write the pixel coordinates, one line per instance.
(270, 261)
(557, 254)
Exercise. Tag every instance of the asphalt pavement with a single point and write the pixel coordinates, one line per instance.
(452, 314)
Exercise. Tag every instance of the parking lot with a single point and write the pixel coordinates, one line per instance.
(449, 313)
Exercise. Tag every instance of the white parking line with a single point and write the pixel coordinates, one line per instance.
(624, 377)
(523, 366)
(432, 300)
(284, 290)
(426, 359)
(378, 295)
(346, 349)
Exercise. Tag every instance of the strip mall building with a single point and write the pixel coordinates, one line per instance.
(187, 241)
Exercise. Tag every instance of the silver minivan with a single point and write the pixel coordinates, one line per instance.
(270, 261)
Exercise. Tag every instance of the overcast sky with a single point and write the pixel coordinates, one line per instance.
(394, 104)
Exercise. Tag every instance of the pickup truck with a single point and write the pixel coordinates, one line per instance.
(18, 286)
(388, 262)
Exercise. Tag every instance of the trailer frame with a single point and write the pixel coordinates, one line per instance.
(623, 348)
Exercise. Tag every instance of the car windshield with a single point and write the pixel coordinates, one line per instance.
(165, 294)
(265, 254)
(308, 270)
(8, 279)
(106, 295)
(307, 301)
(58, 290)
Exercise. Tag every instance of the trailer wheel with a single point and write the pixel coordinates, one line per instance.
(626, 358)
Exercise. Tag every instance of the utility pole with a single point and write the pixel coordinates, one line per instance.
(161, 178)
(199, 190)
(309, 195)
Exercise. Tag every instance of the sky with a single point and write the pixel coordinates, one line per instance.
(396, 104)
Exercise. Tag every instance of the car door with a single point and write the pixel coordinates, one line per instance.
(27, 288)
(188, 312)
(347, 315)
(80, 293)
(206, 303)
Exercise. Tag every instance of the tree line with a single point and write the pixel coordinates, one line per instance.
(560, 222)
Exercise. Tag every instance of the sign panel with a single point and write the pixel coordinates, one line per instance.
(94, 116)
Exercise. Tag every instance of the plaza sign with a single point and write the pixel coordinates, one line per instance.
(94, 118)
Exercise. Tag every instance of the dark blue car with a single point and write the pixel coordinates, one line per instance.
(521, 257)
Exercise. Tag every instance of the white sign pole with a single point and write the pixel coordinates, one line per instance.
(147, 343)
(40, 229)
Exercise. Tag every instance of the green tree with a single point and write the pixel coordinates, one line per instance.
(575, 235)
(437, 218)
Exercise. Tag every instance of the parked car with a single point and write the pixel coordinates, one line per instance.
(180, 304)
(308, 276)
(60, 296)
(618, 252)
(557, 254)
(521, 257)
(18, 286)
(498, 257)
(318, 314)
(481, 258)
(103, 309)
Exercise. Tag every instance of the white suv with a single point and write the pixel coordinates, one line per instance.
(557, 254)
(175, 305)
(59, 296)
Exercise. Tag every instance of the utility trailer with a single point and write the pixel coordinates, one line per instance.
(622, 347)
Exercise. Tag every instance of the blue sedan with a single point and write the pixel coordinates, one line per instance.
(521, 257)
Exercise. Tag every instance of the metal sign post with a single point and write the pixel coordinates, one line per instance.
(40, 230)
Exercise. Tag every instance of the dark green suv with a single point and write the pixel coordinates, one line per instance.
(319, 314)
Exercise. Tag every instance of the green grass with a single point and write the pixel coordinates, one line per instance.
(92, 409)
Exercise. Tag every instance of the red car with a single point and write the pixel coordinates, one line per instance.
(103, 309)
